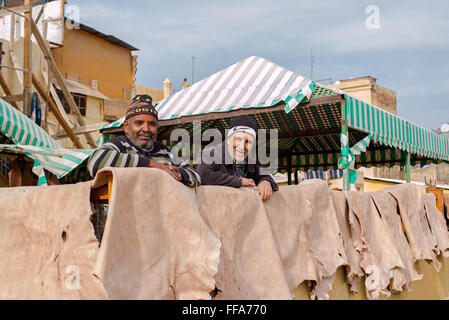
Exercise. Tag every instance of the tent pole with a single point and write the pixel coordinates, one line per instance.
(289, 170)
(344, 130)
(407, 169)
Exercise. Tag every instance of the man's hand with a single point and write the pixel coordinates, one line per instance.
(175, 171)
(171, 170)
(265, 191)
(248, 182)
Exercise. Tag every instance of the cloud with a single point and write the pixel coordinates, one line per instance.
(407, 54)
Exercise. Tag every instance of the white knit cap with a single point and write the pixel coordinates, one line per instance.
(245, 129)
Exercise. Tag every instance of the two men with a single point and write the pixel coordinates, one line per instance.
(139, 148)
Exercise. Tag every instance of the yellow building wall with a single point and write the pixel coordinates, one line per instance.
(156, 94)
(359, 88)
(85, 57)
(375, 185)
(366, 89)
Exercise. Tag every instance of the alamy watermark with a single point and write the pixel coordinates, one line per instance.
(72, 12)
(372, 22)
(73, 280)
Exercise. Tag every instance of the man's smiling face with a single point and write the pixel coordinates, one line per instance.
(239, 145)
(141, 130)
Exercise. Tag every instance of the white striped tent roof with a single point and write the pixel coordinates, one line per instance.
(253, 82)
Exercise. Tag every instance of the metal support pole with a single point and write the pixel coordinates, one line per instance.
(344, 130)
(407, 168)
(289, 170)
(296, 177)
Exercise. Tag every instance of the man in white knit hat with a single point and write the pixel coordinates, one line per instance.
(239, 171)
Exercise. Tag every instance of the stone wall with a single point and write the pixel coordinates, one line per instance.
(384, 98)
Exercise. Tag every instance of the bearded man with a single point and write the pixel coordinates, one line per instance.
(139, 148)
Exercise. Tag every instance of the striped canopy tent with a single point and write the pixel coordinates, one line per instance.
(20, 136)
(307, 115)
(253, 83)
(16, 128)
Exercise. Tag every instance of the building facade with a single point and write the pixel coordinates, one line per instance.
(367, 89)
(99, 71)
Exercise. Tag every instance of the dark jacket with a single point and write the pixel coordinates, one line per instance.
(223, 174)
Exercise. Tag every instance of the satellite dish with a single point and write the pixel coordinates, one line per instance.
(445, 127)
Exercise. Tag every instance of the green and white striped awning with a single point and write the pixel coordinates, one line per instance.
(251, 83)
(32, 141)
(393, 131)
(58, 161)
(370, 158)
(18, 128)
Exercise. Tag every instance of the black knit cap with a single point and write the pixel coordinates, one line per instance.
(244, 120)
(141, 104)
(143, 98)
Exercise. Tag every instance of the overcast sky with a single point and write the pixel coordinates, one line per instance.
(408, 53)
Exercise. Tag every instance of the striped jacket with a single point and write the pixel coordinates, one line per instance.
(121, 152)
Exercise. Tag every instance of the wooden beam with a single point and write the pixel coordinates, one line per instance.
(27, 59)
(13, 98)
(6, 89)
(118, 130)
(56, 98)
(40, 15)
(59, 105)
(46, 50)
(324, 100)
(12, 40)
(12, 34)
(311, 133)
(221, 115)
(40, 89)
(15, 64)
(58, 102)
(80, 130)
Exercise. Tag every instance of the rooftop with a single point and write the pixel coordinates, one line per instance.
(109, 38)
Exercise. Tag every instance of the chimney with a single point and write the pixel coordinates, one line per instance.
(185, 84)
(167, 87)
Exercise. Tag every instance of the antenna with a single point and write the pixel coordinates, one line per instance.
(312, 59)
(193, 69)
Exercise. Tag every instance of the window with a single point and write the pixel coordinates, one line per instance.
(80, 101)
